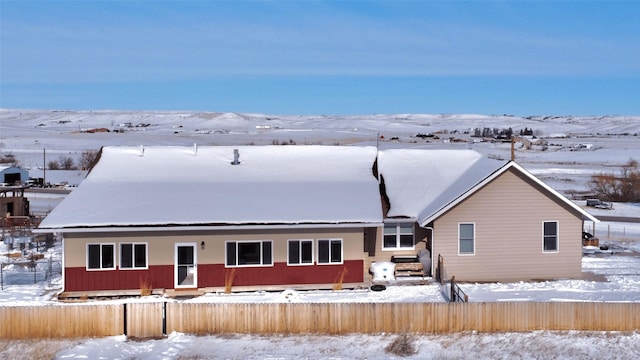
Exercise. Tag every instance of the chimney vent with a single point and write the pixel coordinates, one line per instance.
(236, 157)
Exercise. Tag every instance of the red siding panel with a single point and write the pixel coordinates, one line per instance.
(281, 274)
(212, 275)
(79, 279)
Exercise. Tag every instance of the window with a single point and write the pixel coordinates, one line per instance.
(550, 236)
(133, 256)
(466, 236)
(300, 252)
(398, 236)
(101, 256)
(248, 253)
(330, 251)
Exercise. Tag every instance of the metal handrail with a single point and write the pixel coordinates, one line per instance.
(457, 295)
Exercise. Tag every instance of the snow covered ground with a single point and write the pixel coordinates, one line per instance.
(533, 345)
(577, 148)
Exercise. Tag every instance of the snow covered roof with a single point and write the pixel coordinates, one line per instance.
(425, 184)
(273, 185)
(419, 182)
(154, 186)
(9, 167)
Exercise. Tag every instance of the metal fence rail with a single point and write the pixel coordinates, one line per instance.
(27, 272)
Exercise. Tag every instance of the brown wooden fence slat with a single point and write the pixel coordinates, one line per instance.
(145, 319)
(24, 322)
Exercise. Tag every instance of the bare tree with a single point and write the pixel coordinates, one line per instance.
(9, 158)
(67, 163)
(88, 159)
(624, 186)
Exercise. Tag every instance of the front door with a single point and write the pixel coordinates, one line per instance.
(186, 267)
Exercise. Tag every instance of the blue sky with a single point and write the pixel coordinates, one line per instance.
(323, 57)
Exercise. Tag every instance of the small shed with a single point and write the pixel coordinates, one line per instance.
(13, 202)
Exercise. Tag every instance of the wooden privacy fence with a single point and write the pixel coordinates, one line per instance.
(400, 317)
(160, 318)
(61, 321)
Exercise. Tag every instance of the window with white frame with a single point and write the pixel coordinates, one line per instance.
(398, 236)
(466, 238)
(550, 236)
(249, 253)
(300, 252)
(330, 251)
(133, 256)
(101, 256)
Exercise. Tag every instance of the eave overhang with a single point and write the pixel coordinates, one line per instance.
(167, 227)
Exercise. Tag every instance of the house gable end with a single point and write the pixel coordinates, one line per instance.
(428, 217)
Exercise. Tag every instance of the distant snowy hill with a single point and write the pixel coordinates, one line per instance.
(396, 124)
(574, 148)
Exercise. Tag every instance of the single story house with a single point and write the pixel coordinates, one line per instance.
(273, 217)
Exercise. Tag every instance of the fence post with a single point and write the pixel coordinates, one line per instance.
(164, 318)
(124, 316)
(453, 290)
(49, 273)
(440, 273)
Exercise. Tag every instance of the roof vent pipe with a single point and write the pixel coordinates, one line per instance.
(236, 157)
(141, 150)
(195, 149)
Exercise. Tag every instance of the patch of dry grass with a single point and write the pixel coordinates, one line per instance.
(145, 287)
(337, 282)
(229, 277)
(189, 357)
(401, 346)
(40, 349)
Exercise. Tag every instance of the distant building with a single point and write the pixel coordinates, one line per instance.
(12, 175)
(13, 202)
(12, 185)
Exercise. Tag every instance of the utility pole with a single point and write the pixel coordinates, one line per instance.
(44, 167)
(513, 151)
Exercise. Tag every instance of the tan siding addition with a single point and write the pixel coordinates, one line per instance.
(508, 214)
